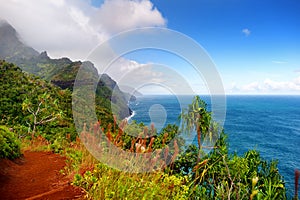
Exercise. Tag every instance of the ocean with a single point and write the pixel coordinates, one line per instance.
(269, 124)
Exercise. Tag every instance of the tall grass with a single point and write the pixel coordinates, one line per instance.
(216, 176)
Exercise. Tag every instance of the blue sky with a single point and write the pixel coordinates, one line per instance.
(254, 44)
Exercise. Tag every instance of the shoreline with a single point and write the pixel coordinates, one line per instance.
(132, 115)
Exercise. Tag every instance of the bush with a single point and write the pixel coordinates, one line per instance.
(106, 183)
(9, 144)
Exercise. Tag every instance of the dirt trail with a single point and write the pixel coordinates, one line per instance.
(36, 176)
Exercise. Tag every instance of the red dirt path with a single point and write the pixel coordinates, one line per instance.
(36, 176)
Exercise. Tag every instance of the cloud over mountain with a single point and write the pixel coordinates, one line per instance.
(73, 28)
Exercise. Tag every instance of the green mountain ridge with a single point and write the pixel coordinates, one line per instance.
(21, 92)
(11, 47)
(17, 87)
(61, 72)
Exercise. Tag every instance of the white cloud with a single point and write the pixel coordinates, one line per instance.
(58, 3)
(279, 62)
(293, 85)
(254, 86)
(73, 28)
(246, 31)
(269, 86)
(149, 78)
(122, 15)
(127, 65)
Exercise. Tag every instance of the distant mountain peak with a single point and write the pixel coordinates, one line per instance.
(7, 31)
(2, 21)
(44, 56)
(12, 48)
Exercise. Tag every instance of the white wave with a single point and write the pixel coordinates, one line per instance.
(129, 117)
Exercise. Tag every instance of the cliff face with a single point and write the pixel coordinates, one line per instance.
(11, 47)
(61, 72)
(118, 98)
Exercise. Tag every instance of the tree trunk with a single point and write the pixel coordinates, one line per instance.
(34, 127)
(199, 141)
(199, 136)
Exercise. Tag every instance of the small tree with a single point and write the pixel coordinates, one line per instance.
(196, 118)
(43, 109)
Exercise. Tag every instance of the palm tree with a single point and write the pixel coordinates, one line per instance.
(196, 117)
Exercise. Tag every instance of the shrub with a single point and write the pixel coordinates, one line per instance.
(9, 144)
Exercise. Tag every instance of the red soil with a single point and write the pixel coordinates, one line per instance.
(36, 176)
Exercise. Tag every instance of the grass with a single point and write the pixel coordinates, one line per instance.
(103, 182)
(219, 176)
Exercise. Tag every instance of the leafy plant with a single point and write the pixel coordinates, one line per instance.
(198, 118)
(218, 175)
(9, 144)
(43, 109)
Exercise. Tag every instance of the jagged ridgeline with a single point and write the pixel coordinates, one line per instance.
(60, 72)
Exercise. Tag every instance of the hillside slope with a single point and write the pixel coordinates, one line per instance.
(11, 47)
(61, 72)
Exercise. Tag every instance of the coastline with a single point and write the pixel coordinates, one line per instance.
(245, 125)
(132, 113)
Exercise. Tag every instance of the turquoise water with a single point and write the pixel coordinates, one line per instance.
(269, 124)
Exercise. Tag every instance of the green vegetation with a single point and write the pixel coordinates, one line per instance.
(39, 114)
(9, 144)
(197, 117)
(28, 104)
(217, 175)
(107, 183)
